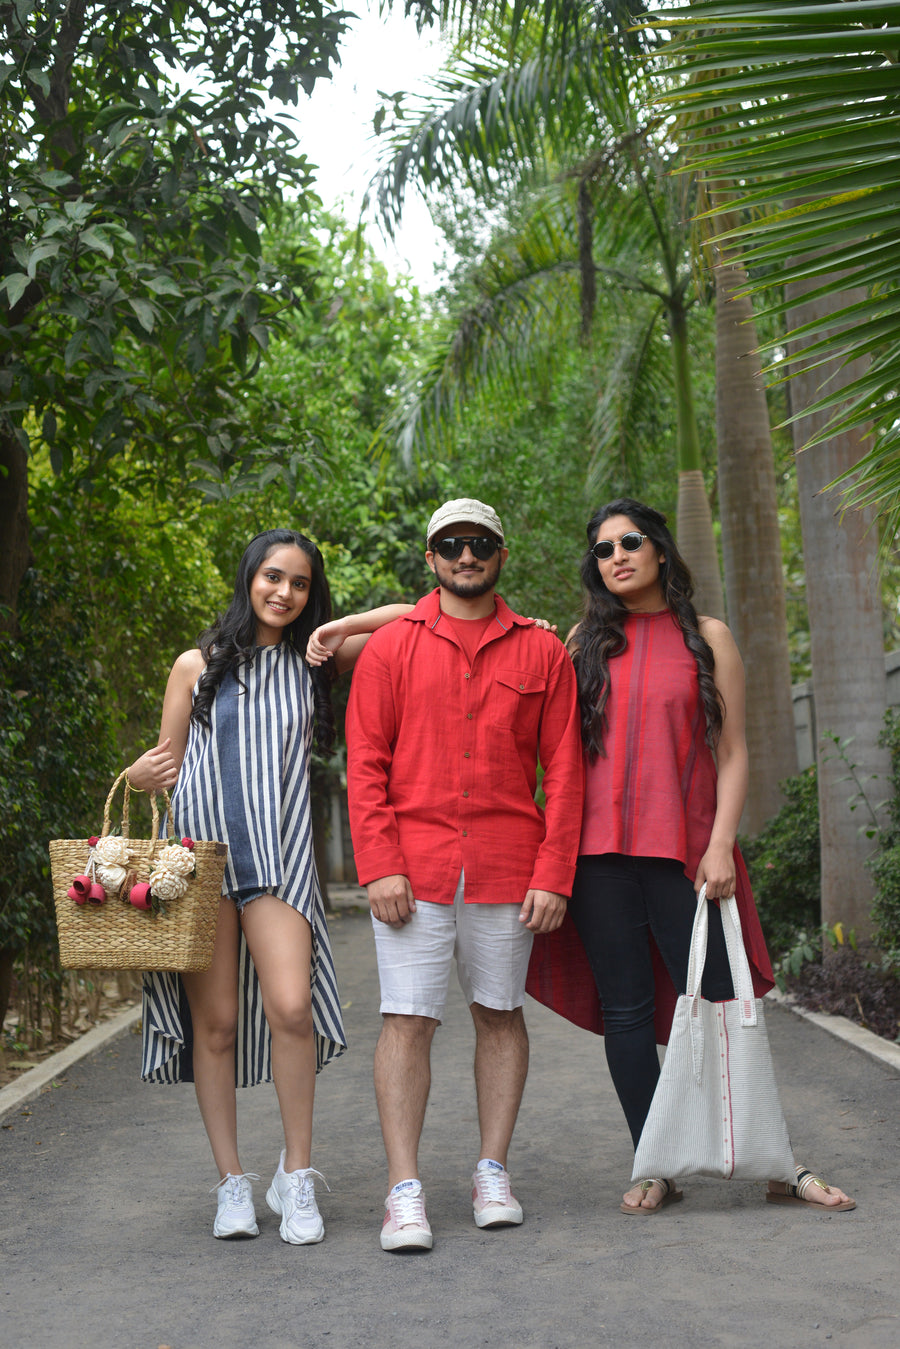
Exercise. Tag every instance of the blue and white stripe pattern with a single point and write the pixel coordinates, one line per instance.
(245, 781)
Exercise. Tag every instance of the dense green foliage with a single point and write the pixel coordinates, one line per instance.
(783, 862)
(885, 865)
(56, 749)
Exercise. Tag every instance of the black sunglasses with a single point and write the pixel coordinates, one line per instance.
(603, 549)
(482, 546)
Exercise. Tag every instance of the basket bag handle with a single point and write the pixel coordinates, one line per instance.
(126, 802)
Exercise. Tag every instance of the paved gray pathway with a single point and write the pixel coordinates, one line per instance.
(105, 1220)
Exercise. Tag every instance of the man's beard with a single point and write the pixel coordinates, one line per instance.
(471, 584)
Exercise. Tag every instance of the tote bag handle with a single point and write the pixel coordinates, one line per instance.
(738, 964)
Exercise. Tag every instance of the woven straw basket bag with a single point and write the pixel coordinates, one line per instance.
(165, 932)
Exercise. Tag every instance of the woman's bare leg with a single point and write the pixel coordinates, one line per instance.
(213, 999)
(280, 942)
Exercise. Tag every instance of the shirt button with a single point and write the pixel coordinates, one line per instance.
(465, 833)
(521, 686)
(468, 716)
(466, 754)
(466, 675)
(465, 793)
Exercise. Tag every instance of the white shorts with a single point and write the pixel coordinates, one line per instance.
(491, 948)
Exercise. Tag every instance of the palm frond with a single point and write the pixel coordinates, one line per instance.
(503, 343)
(799, 105)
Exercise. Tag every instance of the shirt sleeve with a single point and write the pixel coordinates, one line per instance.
(371, 727)
(563, 784)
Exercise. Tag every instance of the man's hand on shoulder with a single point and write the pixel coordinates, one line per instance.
(391, 900)
(543, 911)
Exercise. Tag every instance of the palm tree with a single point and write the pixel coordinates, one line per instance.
(631, 214)
(617, 203)
(809, 111)
(804, 108)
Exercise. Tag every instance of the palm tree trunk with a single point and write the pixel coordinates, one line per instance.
(751, 540)
(696, 538)
(846, 635)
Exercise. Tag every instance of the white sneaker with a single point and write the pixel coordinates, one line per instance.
(293, 1195)
(493, 1202)
(235, 1214)
(405, 1225)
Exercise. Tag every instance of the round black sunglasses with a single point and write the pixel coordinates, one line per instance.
(482, 546)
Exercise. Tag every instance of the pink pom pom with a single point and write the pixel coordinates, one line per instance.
(139, 895)
(80, 889)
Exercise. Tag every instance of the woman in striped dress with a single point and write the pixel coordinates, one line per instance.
(238, 721)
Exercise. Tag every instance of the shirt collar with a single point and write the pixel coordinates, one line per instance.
(428, 610)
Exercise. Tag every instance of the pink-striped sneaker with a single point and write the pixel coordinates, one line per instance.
(405, 1226)
(493, 1202)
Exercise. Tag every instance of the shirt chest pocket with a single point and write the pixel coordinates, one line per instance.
(517, 700)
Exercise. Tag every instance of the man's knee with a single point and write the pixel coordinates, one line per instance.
(498, 1021)
(412, 1031)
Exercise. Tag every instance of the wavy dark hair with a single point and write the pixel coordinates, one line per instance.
(231, 641)
(601, 633)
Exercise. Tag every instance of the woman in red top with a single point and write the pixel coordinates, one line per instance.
(662, 712)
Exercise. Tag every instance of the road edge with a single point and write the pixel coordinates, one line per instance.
(842, 1028)
(38, 1079)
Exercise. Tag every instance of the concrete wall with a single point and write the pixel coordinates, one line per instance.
(805, 712)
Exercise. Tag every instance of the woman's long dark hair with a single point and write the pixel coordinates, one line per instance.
(601, 633)
(231, 641)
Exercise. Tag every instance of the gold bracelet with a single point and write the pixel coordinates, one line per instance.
(130, 785)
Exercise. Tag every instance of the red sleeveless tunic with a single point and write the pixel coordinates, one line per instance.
(652, 795)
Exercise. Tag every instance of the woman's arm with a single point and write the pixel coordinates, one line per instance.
(344, 638)
(716, 867)
(158, 769)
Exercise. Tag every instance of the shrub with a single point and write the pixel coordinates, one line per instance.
(846, 984)
(885, 865)
(784, 865)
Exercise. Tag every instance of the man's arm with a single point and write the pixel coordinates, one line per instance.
(563, 785)
(371, 731)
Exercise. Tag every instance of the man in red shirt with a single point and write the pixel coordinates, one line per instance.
(451, 708)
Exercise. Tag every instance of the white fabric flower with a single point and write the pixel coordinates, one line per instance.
(167, 885)
(112, 851)
(111, 878)
(177, 859)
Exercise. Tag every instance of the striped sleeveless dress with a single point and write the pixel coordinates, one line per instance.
(245, 782)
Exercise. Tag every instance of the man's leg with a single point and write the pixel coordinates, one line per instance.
(501, 1066)
(414, 970)
(402, 1084)
(492, 961)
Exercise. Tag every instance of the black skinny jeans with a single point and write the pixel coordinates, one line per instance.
(617, 903)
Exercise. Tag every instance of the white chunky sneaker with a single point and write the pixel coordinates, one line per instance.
(405, 1226)
(292, 1194)
(235, 1214)
(493, 1202)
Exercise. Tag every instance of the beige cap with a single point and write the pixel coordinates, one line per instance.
(464, 511)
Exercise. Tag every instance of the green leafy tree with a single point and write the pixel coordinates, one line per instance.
(140, 161)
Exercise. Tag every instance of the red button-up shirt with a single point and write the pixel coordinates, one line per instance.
(442, 759)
